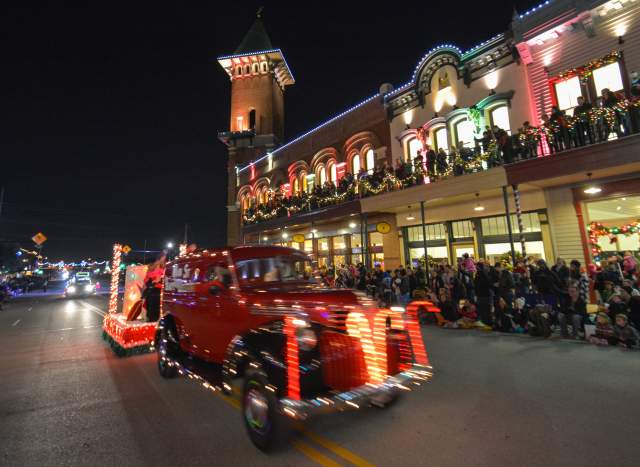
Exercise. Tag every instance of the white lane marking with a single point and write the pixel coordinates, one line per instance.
(17, 321)
(30, 308)
(95, 309)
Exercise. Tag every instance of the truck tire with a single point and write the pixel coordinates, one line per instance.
(166, 371)
(266, 425)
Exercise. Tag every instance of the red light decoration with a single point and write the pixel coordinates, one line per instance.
(115, 277)
(341, 169)
(128, 334)
(293, 360)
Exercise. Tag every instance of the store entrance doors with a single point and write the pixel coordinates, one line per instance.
(461, 248)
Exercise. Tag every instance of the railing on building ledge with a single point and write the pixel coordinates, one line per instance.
(559, 133)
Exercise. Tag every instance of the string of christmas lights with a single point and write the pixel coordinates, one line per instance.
(597, 230)
(115, 277)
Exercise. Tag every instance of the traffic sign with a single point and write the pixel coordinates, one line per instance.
(126, 249)
(39, 238)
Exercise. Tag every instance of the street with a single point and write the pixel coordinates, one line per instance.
(495, 400)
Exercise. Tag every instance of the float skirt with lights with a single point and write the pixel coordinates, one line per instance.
(126, 337)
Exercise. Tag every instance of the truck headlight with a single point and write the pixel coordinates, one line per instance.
(88, 288)
(71, 289)
(307, 339)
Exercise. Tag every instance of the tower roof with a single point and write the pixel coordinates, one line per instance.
(255, 40)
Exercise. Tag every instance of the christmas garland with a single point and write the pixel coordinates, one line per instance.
(585, 71)
(598, 230)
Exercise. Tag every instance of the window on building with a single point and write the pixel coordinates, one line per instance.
(441, 138)
(239, 123)
(498, 225)
(339, 242)
(333, 174)
(255, 68)
(356, 242)
(567, 92)
(323, 244)
(308, 246)
(303, 182)
(265, 67)
(608, 76)
(252, 119)
(247, 69)
(464, 130)
(375, 239)
(462, 229)
(500, 117)
(355, 164)
(371, 161)
(238, 70)
(296, 185)
(434, 232)
(323, 175)
(412, 148)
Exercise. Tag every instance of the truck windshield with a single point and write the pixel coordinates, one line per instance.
(285, 268)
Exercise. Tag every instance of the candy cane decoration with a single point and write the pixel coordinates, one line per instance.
(115, 278)
(358, 327)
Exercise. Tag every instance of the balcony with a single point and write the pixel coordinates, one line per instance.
(558, 140)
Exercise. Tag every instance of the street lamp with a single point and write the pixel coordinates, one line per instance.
(170, 245)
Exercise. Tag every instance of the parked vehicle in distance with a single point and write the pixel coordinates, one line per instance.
(257, 314)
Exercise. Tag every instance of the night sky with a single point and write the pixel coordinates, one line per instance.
(111, 111)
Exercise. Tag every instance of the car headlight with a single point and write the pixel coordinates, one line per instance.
(307, 339)
(88, 288)
(71, 289)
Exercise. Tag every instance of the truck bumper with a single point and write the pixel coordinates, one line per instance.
(367, 394)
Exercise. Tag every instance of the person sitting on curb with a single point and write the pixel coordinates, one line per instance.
(626, 335)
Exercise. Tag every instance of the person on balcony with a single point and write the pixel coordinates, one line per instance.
(610, 100)
(582, 122)
(442, 164)
(531, 140)
(431, 162)
(560, 127)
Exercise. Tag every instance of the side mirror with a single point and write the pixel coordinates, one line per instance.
(215, 290)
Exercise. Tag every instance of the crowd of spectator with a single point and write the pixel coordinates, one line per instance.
(600, 304)
(558, 132)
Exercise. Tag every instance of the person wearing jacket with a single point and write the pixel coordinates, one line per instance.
(579, 277)
(548, 284)
(626, 335)
(506, 284)
(483, 285)
(573, 309)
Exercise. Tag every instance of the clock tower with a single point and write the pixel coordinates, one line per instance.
(259, 74)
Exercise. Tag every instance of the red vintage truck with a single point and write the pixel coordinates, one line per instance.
(256, 314)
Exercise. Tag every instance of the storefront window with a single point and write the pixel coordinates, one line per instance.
(494, 251)
(434, 232)
(339, 260)
(308, 246)
(339, 242)
(323, 244)
(355, 164)
(375, 239)
(438, 253)
(412, 149)
(498, 225)
(609, 77)
(462, 229)
(616, 212)
(371, 161)
(377, 259)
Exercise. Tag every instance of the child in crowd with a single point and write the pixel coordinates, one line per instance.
(625, 334)
(604, 333)
(629, 264)
(468, 314)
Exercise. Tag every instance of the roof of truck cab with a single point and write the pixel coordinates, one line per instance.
(239, 253)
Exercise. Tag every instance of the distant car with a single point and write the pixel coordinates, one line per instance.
(81, 287)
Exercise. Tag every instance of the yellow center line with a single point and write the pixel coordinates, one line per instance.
(334, 447)
(313, 454)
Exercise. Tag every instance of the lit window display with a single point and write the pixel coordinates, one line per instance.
(500, 117)
(323, 244)
(441, 138)
(567, 92)
(339, 242)
(609, 77)
(465, 133)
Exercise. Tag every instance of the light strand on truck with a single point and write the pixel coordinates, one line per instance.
(293, 360)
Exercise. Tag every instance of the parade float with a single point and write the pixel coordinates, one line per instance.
(125, 327)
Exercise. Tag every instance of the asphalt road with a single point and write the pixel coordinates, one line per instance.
(65, 399)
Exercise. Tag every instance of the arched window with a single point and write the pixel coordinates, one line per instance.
(296, 185)
(441, 138)
(355, 164)
(238, 70)
(323, 175)
(255, 68)
(500, 116)
(265, 67)
(412, 149)
(371, 160)
(333, 174)
(303, 182)
(252, 119)
(247, 69)
(464, 130)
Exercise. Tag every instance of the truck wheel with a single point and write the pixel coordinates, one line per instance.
(165, 370)
(265, 424)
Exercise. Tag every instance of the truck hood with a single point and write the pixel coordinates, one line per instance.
(314, 301)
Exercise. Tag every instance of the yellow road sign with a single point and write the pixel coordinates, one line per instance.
(39, 238)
